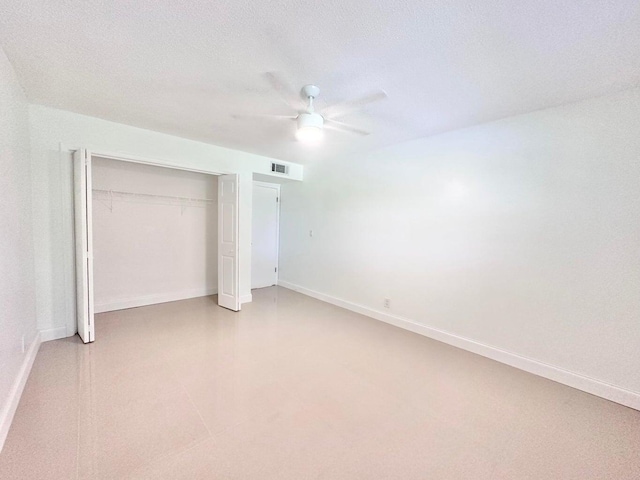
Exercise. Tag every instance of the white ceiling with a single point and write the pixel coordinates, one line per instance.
(186, 67)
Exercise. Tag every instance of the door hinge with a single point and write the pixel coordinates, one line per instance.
(277, 199)
(276, 269)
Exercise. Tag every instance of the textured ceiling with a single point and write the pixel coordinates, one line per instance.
(186, 67)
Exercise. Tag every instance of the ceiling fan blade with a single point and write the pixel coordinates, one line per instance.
(343, 127)
(241, 116)
(340, 109)
(286, 93)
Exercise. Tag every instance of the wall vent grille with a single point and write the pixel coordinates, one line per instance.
(279, 168)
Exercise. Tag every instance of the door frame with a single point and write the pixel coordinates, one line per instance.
(275, 186)
(73, 322)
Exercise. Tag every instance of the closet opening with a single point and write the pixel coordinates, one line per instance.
(149, 233)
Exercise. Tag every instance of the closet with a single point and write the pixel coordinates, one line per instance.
(154, 234)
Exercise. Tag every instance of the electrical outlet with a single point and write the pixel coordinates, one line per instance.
(387, 303)
(311, 233)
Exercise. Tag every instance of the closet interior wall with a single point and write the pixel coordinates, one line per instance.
(154, 234)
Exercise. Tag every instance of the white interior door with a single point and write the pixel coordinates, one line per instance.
(84, 244)
(264, 236)
(228, 261)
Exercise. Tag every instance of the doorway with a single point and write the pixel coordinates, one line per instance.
(265, 230)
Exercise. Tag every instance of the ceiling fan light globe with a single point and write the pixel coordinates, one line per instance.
(309, 134)
(309, 127)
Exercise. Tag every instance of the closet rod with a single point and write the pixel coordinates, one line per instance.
(148, 196)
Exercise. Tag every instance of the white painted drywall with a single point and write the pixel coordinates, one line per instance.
(54, 134)
(523, 234)
(17, 283)
(152, 249)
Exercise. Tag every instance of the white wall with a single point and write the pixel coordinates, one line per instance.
(522, 234)
(152, 249)
(17, 284)
(54, 134)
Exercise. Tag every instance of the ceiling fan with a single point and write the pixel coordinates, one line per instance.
(311, 124)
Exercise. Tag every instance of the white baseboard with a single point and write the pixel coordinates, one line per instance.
(581, 382)
(53, 334)
(11, 404)
(121, 304)
(246, 298)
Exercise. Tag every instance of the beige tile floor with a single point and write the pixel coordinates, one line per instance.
(293, 388)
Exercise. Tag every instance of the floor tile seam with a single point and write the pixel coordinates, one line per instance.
(159, 455)
(180, 385)
(404, 402)
(116, 384)
(179, 388)
(220, 436)
(81, 371)
(166, 360)
(496, 447)
(406, 398)
(325, 420)
(170, 456)
(195, 408)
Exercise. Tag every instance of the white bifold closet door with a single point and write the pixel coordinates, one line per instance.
(84, 244)
(228, 261)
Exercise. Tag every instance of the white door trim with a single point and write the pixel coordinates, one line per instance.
(147, 161)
